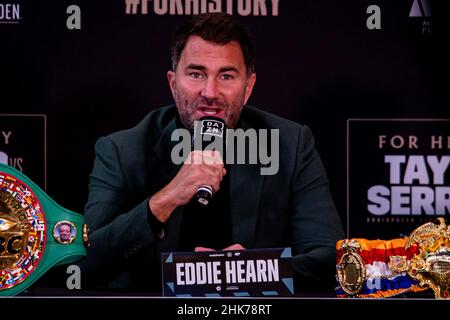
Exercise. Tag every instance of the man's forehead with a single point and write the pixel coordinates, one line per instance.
(199, 49)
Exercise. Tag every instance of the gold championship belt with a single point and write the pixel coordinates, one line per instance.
(35, 232)
(432, 265)
(386, 268)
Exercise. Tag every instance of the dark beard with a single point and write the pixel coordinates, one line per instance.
(187, 111)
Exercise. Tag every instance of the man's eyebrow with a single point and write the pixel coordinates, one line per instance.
(196, 67)
(229, 68)
(203, 68)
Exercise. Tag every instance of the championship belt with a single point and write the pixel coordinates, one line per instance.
(386, 268)
(432, 265)
(35, 232)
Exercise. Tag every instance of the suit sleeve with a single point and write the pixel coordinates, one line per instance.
(117, 235)
(316, 223)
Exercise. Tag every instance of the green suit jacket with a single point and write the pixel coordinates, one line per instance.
(292, 208)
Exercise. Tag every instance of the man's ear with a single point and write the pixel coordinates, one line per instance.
(249, 88)
(171, 79)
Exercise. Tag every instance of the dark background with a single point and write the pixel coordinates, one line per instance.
(317, 63)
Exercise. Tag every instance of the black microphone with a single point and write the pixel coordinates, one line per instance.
(209, 134)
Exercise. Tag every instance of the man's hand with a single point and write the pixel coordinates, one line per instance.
(200, 168)
(235, 246)
(203, 249)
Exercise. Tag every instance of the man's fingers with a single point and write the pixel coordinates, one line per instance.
(204, 157)
(203, 249)
(212, 157)
(235, 246)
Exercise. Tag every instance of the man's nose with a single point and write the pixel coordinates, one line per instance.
(209, 90)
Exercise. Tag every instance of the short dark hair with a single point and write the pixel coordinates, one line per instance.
(64, 224)
(219, 28)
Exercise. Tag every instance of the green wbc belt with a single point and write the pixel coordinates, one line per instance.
(35, 232)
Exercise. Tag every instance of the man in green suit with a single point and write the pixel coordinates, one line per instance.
(140, 201)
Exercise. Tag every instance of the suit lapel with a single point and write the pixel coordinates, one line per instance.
(167, 170)
(246, 184)
(163, 149)
(245, 191)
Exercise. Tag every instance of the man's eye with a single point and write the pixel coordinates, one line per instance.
(226, 77)
(196, 75)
